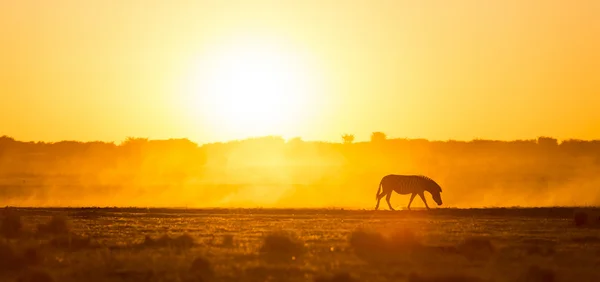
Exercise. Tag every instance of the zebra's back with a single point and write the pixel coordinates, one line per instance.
(406, 184)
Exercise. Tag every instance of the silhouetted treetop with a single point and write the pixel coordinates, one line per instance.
(348, 138)
(378, 137)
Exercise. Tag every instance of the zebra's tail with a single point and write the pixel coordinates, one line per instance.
(378, 190)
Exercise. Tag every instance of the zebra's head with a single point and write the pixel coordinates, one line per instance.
(436, 191)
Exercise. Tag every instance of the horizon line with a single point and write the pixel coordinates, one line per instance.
(559, 140)
(258, 207)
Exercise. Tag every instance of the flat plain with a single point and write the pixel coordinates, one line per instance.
(139, 244)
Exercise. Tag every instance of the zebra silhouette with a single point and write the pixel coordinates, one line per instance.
(408, 184)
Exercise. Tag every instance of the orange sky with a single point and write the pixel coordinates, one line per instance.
(104, 70)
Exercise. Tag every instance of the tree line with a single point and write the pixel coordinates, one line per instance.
(212, 171)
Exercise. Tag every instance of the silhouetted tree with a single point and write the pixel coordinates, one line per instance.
(348, 138)
(133, 141)
(5, 142)
(6, 139)
(547, 141)
(378, 137)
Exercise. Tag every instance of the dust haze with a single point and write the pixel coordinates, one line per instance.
(272, 172)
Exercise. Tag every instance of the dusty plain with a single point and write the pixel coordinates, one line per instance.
(140, 244)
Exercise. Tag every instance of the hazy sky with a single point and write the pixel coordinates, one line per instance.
(105, 70)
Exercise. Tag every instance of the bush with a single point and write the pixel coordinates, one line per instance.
(58, 225)
(201, 269)
(374, 243)
(476, 248)
(403, 239)
(282, 243)
(364, 242)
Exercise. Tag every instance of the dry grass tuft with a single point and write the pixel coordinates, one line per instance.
(364, 242)
(201, 269)
(476, 248)
(339, 277)
(58, 225)
(282, 243)
(59, 228)
(586, 217)
(404, 239)
(11, 226)
(413, 277)
(367, 243)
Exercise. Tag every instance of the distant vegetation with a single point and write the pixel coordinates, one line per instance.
(270, 171)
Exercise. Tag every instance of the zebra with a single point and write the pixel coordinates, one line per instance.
(408, 184)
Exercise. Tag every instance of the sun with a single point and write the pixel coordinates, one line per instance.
(252, 88)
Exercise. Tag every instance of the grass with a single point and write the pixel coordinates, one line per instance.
(310, 245)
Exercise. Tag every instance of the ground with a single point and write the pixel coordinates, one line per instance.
(541, 244)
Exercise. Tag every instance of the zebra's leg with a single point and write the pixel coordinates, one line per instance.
(379, 199)
(424, 201)
(411, 199)
(387, 199)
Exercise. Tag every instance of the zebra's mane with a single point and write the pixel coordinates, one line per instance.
(429, 179)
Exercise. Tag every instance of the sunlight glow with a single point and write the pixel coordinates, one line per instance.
(252, 88)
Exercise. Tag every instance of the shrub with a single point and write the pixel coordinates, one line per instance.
(374, 243)
(58, 225)
(364, 242)
(201, 269)
(476, 248)
(282, 243)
